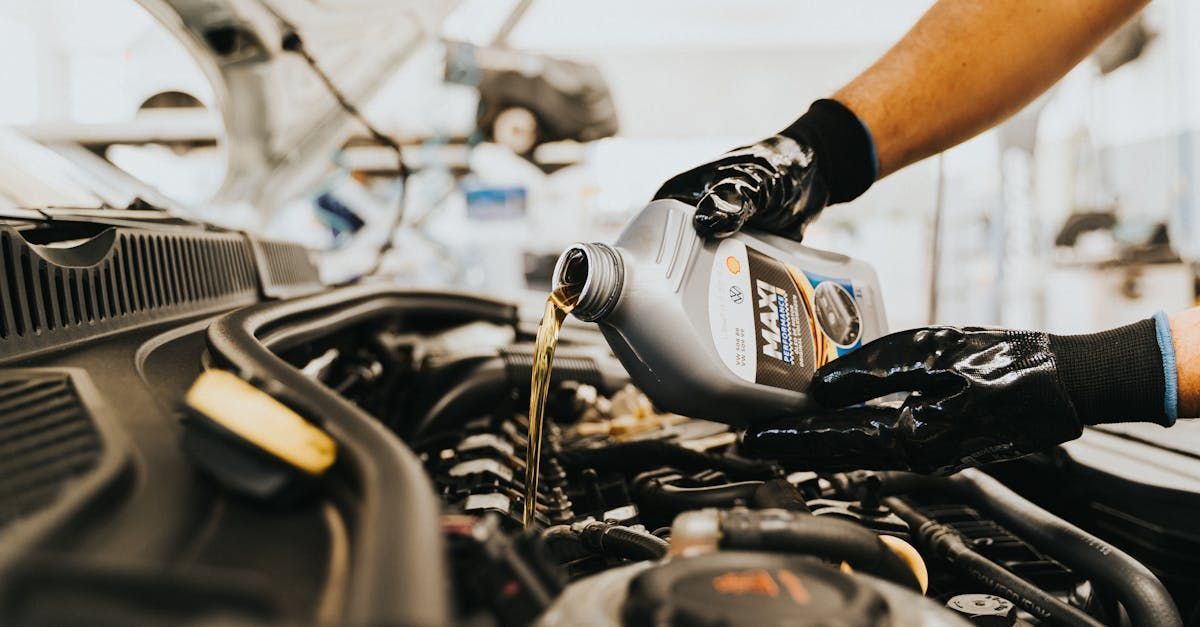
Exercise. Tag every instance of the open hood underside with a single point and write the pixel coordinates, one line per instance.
(281, 124)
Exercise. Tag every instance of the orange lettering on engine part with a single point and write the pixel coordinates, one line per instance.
(749, 582)
(795, 588)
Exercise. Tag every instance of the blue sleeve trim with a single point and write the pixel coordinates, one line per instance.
(1162, 329)
(874, 152)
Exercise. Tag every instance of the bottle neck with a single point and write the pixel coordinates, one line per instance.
(596, 272)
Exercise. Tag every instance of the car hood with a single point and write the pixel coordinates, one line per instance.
(280, 123)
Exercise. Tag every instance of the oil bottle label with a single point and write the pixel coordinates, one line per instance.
(731, 310)
(774, 324)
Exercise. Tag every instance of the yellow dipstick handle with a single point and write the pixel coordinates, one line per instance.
(911, 556)
(254, 416)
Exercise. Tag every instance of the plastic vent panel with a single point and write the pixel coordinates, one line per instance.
(1001, 546)
(286, 269)
(50, 298)
(47, 438)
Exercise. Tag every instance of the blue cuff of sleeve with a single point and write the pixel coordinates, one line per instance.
(874, 151)
(1162, 328)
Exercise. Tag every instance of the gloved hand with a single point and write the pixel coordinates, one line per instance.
(781, 183)
(975, 396)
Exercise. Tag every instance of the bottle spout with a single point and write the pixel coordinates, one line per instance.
(590, 275)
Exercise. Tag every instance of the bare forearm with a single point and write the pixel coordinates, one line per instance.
(968, 64)
(1185, 336)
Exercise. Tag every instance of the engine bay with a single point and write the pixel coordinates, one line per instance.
(647, 518)
(700, 534)
(388, 488)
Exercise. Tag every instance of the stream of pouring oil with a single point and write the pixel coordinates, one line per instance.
(558, 305)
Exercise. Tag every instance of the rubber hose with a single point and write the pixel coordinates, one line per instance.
(780, 494)
(826, 537)
(554, 532)
(622, 541)
(474, 395)
(670, 497)
(1144, 597)
(894, 482)
(629, 457)
(944, 542)
(478, 383)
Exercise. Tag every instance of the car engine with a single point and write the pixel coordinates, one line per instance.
(653, 519)
(360, 461)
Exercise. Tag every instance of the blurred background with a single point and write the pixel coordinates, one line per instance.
(530, 125)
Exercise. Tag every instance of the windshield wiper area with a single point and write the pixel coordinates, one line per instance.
(137, 214)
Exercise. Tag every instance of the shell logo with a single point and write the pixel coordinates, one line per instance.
(733, 264)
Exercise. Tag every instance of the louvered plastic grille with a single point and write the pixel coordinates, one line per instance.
(286, 269)
(145, 277)
(1001, 546)
(46, 439)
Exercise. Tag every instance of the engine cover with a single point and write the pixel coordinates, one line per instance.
(732, 588)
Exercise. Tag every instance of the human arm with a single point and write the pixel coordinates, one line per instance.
(1185, 334)
(969, 64)
(965, 66)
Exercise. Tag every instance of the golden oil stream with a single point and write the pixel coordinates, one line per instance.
(558, 305)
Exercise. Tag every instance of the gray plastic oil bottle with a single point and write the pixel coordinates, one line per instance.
(728, 330)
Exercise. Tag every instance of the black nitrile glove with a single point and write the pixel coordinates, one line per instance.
(784, 181)
(976, 396)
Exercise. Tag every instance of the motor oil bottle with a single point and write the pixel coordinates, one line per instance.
(729, 330)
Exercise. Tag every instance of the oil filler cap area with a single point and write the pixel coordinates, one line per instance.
(745, 588)
(251, 443)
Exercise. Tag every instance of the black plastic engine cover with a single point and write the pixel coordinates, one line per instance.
(733, 589)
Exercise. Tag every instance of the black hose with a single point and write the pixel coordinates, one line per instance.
(899, 481)
(474, 393)
(1143, 596)
(823, 536)
(636, 456)
(665, 496)
(393, 492)
(469, 387)
(944, 542)
(622, 541)
(780, 494)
